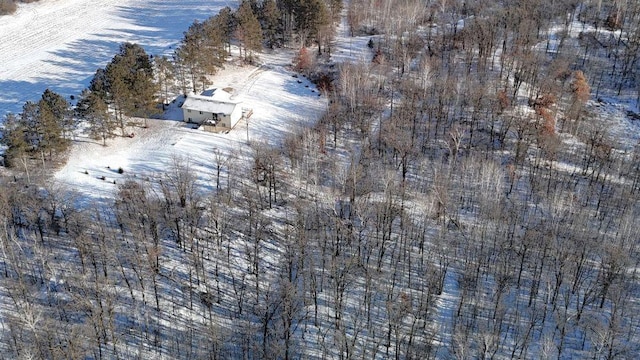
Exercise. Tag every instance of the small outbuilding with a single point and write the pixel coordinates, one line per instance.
(213, 108)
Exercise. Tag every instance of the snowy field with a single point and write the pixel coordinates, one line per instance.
(59, 44)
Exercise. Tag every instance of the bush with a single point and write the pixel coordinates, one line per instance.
(7, 7)
(370, 44)
(120, 170)
(303, 61)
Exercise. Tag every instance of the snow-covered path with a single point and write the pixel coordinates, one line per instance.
(60, 43)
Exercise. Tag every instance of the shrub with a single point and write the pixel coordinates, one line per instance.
(580, 87)
(120, 170)
(7, 7)
(303, 61)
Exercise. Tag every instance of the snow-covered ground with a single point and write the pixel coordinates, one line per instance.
(59, 44)
(280, 103)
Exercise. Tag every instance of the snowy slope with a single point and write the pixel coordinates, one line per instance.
(60, 43)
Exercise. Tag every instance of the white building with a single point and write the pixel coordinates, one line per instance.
(213, 107)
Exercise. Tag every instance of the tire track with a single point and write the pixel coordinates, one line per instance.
(251, 80)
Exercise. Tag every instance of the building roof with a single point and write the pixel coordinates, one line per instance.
(218, 102)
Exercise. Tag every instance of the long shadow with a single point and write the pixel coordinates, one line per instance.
(159, 26)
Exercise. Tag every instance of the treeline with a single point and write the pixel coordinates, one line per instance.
(253, 25)
(511, 36)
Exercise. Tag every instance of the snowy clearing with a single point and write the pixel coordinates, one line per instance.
(280, 103)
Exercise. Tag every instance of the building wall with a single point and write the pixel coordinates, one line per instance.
(195, 116)
(236, 115)
(199, 117)
(224, 120)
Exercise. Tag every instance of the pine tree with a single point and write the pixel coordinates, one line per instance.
(226, 23)
(41, 131)
(310, 17)
(270, 18)
(55, 115)
(99, 84)
(29, 119)
(202, 50)
(38, 130)
(14, 138)
(130, 85)
(248, 32)
(213, 45)
(187, 55)
(165, 71)
(94, 110)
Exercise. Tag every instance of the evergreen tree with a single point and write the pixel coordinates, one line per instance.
(134, 69)
(55, 115)
(127, 84)
(30, 120)
(310, 17)
(99, 84)
(226, 23)
(188, 54)
(94, 110)
(42, 132)
(165, 71)
(38, 130)
(118, 94)
(202, 49)
(14, 138)
(287, 10)
(270, 18)
(213, 44)
(249, 32)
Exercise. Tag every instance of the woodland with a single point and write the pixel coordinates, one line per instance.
(464, 196)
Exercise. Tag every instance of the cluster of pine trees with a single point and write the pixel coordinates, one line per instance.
(125, 88)
(42, 130)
